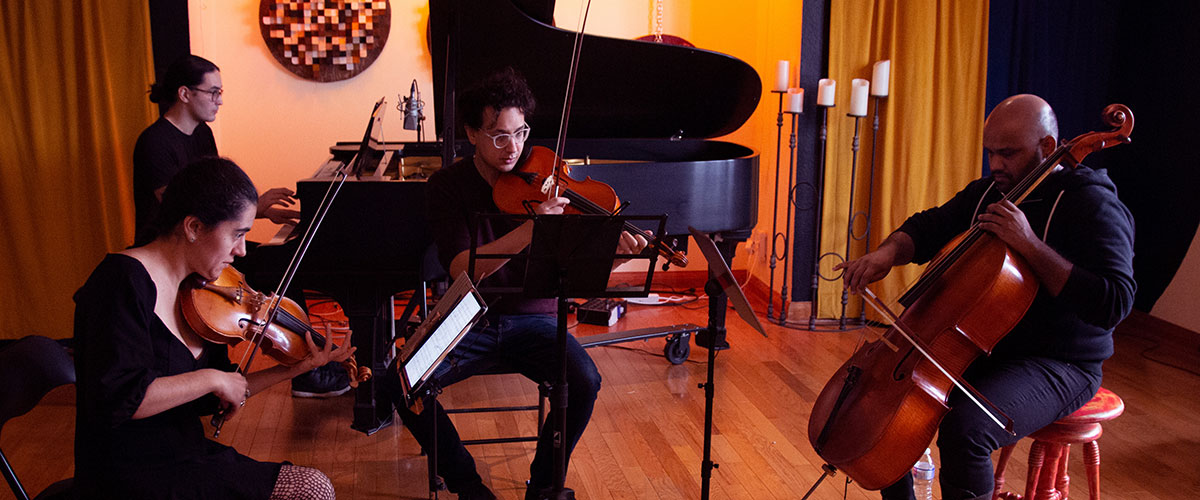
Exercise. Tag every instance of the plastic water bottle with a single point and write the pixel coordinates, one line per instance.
(923, 472)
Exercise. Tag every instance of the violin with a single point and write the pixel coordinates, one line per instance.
(534, 180)
(227, 311)
(878, 413)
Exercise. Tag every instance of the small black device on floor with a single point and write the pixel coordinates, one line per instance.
(603, 312)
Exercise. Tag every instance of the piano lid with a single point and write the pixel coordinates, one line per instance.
(624, 89)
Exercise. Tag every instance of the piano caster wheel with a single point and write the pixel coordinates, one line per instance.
(677, 349)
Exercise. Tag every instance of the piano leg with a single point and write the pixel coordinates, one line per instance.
(371, 320)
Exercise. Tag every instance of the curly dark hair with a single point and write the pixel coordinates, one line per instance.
(212, 189)
(185, 71)
(503, 89)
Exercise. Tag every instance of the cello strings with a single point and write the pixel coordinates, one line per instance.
(1018, 193)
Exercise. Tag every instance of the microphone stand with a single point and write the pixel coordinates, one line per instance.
(414, 111)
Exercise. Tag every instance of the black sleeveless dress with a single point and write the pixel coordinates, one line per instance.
(121, 347)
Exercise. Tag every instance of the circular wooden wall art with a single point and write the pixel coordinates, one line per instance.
(325, 40)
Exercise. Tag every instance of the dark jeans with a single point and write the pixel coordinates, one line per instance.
(523, 344)
(1033, 391)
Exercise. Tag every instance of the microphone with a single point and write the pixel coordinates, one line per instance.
(413, 106)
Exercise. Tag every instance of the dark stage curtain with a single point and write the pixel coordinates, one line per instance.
(1081, 55)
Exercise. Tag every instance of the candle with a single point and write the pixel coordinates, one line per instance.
(795, 100)
(826, 91)
(858, 97)
(781, 76)
(879, 78)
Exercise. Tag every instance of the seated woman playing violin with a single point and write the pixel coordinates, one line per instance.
(145, 377)
(518, 334)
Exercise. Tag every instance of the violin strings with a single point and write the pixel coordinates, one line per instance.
(589, 206)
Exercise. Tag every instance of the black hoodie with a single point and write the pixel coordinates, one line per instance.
(1077, 213)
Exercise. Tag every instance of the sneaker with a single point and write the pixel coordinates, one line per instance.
(322, 382)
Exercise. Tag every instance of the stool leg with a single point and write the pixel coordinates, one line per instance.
(1049, 469)
(1064, 480)
(1001, 464)
(1037, 455)
(1091, 462)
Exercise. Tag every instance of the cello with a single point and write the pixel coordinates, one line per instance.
(877, 414)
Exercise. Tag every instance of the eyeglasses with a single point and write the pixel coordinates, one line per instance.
(502, 141)
(214, 93)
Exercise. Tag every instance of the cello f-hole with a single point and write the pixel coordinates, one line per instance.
(899, 373)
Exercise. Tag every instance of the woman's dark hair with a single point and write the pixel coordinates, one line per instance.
(187, 71)
(212, 189)
(503, 89)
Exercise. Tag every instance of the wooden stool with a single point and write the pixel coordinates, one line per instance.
(1047, 478)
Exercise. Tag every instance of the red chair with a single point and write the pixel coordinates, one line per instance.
(1047, 478)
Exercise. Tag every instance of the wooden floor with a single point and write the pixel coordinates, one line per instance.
(645, 439)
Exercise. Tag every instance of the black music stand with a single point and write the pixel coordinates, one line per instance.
(456, 313)
(569, 256)
(720, 284)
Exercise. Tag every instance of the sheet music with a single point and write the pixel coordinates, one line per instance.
(457, 321)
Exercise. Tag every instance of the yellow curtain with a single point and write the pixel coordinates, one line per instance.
(931, 128)
(72, 102)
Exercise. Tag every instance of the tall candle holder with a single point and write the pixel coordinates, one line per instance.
(852, 214)
(818, 208)
(877, 99)
(791, 202)
(841, 322)
(775, 210)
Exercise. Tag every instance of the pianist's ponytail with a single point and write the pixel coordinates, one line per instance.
(187, 71)
(212, 189)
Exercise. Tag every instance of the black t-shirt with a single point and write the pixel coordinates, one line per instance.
(455, 193)
(161, 152)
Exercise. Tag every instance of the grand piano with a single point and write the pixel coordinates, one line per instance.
(642, 117)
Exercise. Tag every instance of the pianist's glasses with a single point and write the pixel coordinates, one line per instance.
(502, 141)
(214, 93)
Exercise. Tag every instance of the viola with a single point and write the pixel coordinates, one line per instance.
(534, 180)
(227, 311)
(878, 413)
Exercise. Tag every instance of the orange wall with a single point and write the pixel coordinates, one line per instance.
(279, 127)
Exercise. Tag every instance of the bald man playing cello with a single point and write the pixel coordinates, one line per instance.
(1077, 237)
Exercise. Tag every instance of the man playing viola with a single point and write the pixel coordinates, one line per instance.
(518, 334)
(1077, 237)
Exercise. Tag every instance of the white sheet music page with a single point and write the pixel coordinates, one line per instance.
(445, 333)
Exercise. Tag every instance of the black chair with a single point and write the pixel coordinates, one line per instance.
(31, 368)
(432, 272)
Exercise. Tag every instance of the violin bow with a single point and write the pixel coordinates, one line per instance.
(309, 233)
(576, 50)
